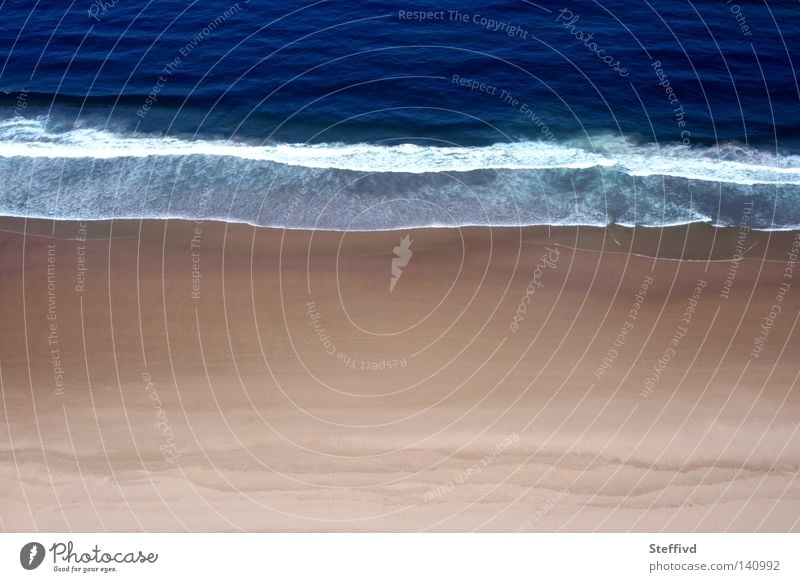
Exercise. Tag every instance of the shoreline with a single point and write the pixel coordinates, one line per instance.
(610, 225)
(636, 240)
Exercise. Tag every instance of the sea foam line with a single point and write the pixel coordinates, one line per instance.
(734, 165)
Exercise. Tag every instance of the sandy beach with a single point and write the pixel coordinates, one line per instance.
(174, 376)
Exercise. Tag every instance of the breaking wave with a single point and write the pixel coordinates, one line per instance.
(88, 173)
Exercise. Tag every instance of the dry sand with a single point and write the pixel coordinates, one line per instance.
(291, 390)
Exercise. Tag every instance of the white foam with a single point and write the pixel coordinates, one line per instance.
(30, 138)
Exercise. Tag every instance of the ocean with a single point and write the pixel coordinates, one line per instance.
(378, 116)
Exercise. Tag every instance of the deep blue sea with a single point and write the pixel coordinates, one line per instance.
(378, 115)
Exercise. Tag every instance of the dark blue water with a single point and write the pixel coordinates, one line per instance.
(578, 113)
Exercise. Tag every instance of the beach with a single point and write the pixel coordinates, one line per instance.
(171, 375)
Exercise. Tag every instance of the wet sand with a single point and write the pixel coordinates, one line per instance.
(171, 376)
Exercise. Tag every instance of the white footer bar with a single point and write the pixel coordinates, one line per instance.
(400, 557)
